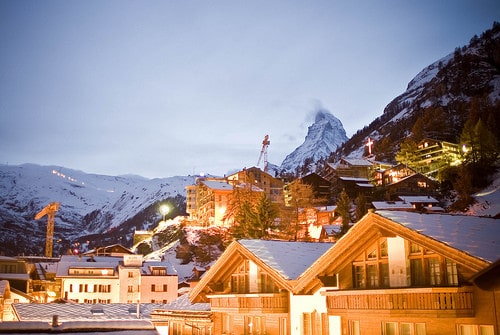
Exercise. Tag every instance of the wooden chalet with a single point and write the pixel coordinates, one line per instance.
(251, 287)
(272, 187)
(320, 186)
(392, 273)
(349, 167)
(433, 155)
(410, 273)
(414, 185)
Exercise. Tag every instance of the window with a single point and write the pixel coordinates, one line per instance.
(434, 271)
(266, 283)
(451, 273)
(359, 276)
(417, 272)
(255, 325)
(371, 268)
(403, 328)
(475, 330)
(130, 289)
(354, 327)
(240, 279)
(131, 275)
(372, 275)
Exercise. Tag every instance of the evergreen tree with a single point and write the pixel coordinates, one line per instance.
(361, 206)
(344, 209)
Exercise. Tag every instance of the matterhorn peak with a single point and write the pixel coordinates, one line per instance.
(323, 137)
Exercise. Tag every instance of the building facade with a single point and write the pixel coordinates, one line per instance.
(126, 279)
(392, 273)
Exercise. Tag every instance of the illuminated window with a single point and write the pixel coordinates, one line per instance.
(475, 330)
(241, 278)
(354, 327)
(434, 271)
(451, 272)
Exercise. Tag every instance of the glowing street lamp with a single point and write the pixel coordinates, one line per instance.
(164, 209)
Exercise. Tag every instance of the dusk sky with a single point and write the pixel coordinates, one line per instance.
(179, 87)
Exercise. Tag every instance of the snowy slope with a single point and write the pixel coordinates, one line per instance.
(89, 203)
(324, 136)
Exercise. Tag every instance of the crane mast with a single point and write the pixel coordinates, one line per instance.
(263, 152)
(49, 210)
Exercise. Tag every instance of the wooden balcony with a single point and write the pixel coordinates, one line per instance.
(441, 301)
(245, 303)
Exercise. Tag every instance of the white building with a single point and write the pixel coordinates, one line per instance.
(126, 279)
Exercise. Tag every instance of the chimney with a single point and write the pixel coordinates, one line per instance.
(55, 320)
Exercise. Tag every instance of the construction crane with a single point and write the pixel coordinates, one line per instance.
(49, 210)
(263, 152)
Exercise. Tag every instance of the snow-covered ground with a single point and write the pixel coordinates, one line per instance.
(488, 200)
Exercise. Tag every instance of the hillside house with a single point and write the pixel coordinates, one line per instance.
(350, 167)
(312, 219)
(433, 155)
(413, 185)
(272, 187)
(394, 174)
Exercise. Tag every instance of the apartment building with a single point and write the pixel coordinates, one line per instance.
(125, 279)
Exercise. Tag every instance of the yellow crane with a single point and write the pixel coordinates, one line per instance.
(263, 152)
(49, 210)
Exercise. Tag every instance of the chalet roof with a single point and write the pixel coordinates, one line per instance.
(182, 303)
(470, 241)
(358, 162)
(418, 199)
(355, 179)
(332, 229)
(284, 261)
(388, 205)
(278, 255)
(218, 185)
(477, 236)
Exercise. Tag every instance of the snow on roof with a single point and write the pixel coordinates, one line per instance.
(290, 259)
(364, 180)
(477, 236)
(332, 229)
(418, 199)
(184, 304)
(364, 185)
(358, 162)
(218, 185)
(381, 205)
(100, 262)
(81, 312)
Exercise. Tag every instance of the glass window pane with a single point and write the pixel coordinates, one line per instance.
(486, 330)
(466, 330)
(420, 329)
(391, 328)
(405, 329)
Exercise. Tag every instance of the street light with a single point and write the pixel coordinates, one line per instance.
(164, 209)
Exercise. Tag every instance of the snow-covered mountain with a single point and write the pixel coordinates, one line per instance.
(441, 97)
(323, 137)
(91, 206)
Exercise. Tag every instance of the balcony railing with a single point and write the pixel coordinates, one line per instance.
(259, 302)
(455, 301)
